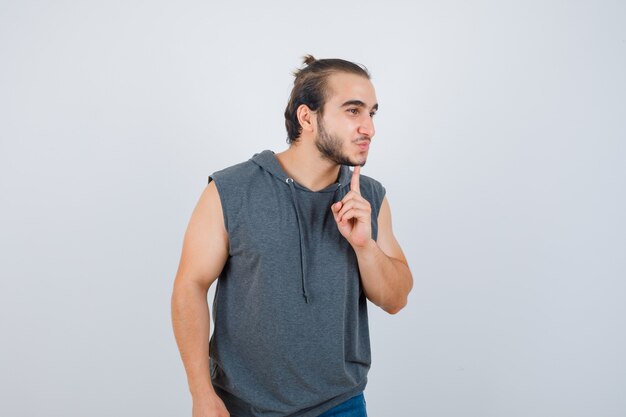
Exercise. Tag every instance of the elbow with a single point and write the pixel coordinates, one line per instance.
(398, 302)
(396, 307)
(186, 291)
(393, 311)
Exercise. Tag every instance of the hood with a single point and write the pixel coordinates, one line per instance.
(267, 160)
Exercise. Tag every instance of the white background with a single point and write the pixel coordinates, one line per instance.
(501, 140)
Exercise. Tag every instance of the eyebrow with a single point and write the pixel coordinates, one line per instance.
(358, 103)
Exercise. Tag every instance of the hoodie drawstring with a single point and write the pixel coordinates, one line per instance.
(300, 234)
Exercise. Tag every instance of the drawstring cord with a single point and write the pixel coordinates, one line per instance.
(303, 263)
(300, 234)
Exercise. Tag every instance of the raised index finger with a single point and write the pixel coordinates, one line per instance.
(354, 182)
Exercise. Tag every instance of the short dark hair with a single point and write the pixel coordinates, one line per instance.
(310, 88)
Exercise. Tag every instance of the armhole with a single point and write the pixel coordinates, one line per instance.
(220, 194)
(383, 193)
(378, 195)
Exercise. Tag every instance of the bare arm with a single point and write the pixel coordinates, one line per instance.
(205, 251)
(385, 274)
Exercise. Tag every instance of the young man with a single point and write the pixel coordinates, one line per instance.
(298, 241)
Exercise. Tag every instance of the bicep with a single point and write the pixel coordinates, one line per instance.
(205, 246)
(386, 240)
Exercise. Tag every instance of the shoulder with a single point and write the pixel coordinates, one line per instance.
(372, 189)
(227, 184)
(234, 173)
(370, 183)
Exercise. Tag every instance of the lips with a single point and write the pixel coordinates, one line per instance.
(363, 144)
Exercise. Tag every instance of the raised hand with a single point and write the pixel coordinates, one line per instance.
(353, 214)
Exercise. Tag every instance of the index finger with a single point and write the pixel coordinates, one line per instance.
(354, 182)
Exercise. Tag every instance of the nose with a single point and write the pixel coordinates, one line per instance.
(366, 127)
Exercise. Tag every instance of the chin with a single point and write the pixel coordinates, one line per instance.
(361, 159)
(358, 161)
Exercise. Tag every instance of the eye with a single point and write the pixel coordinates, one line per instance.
(372, 114)
(353, 110)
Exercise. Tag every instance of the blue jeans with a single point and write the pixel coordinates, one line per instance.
(354, 407)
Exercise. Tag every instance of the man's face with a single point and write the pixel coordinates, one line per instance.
(345, 130)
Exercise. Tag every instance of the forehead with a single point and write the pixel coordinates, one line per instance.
(344, 86)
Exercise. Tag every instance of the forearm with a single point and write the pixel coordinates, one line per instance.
(386, 281)
(191, 321)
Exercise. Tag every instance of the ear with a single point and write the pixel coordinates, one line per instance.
(306, 118)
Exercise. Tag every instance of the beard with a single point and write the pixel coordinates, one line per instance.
(330, 147)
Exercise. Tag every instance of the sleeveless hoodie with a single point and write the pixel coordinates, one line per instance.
(291, 333)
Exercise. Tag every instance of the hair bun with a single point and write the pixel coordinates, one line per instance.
(309, 59)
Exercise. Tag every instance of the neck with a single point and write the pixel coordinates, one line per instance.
(303, 162)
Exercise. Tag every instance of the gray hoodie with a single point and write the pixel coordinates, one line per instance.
(291, 334)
